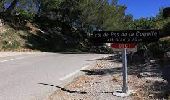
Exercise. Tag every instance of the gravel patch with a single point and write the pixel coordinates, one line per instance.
(100, 82)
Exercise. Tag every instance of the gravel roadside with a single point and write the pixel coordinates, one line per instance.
(99, 82)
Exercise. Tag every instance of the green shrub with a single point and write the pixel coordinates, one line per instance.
(158, 49)
(10, 45)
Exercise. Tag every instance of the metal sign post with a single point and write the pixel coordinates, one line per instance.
(124, 60)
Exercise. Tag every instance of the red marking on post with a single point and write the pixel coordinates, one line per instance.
(120, 45)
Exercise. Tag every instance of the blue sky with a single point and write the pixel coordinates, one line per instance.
(144, 8)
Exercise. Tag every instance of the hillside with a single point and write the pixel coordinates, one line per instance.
(12, 39)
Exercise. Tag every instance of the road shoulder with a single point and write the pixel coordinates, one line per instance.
(100, 81)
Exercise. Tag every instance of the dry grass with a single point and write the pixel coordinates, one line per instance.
(11, 40)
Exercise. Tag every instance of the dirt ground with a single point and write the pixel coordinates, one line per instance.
(99, 82)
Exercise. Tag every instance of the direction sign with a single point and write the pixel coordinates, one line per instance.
(125, 39)
(120, 45)
(125, 36)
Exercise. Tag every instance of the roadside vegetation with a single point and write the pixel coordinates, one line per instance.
(65, 25)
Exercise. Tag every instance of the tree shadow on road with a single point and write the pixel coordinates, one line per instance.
(63, 89)
(102, 71)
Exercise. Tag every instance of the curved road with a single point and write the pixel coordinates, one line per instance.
(22, 76)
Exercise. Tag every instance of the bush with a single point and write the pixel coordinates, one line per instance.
(158, 49)
(10, 45)
(10, 40)
(26, 15)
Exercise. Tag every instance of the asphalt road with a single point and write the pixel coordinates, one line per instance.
(25, 77)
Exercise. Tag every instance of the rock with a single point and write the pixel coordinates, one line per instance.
(147, 81)
(145, 74)
(168, 54)
(151, 95)
(158, 79)
(1, 23)
(152, 61)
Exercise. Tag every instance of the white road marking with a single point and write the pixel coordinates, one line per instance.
(12, 59)
(73, 73)
(69, 75)
(102, 57)
(19, 58)
(77, 71)
(4, 61)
